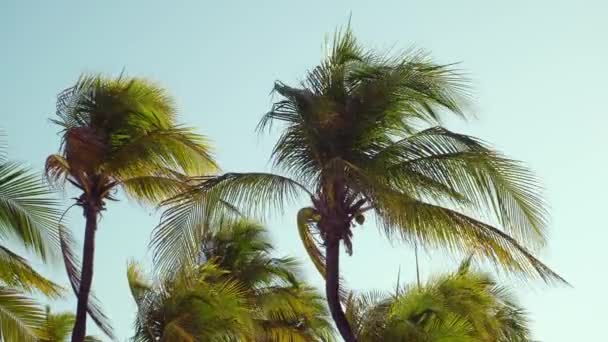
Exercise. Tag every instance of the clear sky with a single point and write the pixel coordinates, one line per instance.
(539, 70)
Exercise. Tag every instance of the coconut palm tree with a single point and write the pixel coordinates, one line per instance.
(58, 327)
(28, 216)
(362, 136)
(284, 307)
(237, 292)
(465, 305)
(119, 133)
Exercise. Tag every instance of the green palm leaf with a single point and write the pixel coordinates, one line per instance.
(20, 317)
(27, 210)
(207, 202)
(17, 273)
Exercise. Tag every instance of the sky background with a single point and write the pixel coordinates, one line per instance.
(538, 69)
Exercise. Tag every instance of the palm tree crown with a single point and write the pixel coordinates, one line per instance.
(236, 292)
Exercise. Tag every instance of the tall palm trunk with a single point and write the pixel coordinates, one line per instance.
(332, 288)
(80, 325)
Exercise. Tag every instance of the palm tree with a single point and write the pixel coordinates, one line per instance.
(236, 292)
(466, 305)
(285, 308)
(119, 134)
(29, 216)
(362, 136)
(58, 326)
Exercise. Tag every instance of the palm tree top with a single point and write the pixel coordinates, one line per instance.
(360, 136)
(125, 131)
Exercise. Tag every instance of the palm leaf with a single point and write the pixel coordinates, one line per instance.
(21, 319)
(305, 216)
(17, 273)
(189, 215)
(484, 177)
(27, 210)
(440, 227)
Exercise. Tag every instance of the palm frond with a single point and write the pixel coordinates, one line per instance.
(71, 263)
(21, 319)
(155, 188)
(57, 326)
(440, 227)
(305, 216)
(481, 175)
(17, 273)
(189, 215)
(57, 170)
(159, 148)
(28, 211)
(138, 283)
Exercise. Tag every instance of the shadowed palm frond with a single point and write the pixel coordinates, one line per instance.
(71, 263)
(21, 319)
(17, 273)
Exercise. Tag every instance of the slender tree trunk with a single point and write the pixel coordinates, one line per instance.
(80, 326)
(332, 289)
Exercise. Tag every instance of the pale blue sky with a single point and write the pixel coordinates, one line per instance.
(539, 69)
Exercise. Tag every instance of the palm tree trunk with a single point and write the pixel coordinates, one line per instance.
(80, 326)
(332, 289)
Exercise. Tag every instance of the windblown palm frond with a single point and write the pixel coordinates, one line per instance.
(194, 305)
(125, 131)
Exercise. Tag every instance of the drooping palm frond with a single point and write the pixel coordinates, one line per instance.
(307, 218)
(440, 227)
(20, 317)
(71, 262)
(27, 210)
(16, 272)
(138, 284)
